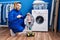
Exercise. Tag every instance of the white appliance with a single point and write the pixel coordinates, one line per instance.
(40, 20)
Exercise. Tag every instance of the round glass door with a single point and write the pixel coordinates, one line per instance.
(39, 19)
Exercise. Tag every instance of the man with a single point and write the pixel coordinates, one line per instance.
(16, 19)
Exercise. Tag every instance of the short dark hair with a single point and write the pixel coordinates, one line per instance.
(17, 3)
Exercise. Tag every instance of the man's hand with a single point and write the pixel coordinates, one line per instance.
(19, 16)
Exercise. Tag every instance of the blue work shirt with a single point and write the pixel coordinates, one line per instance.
(16, 24)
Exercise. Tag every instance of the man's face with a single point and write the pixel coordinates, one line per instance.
(18, 6)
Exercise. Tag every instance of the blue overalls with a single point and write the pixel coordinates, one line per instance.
(16, 24)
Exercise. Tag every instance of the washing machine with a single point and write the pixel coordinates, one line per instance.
(40, 20)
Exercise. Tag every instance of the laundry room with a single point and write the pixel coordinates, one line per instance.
(29, 20)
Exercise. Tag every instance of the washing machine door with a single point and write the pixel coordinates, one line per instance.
(39, 19)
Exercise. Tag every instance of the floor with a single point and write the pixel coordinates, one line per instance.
(5, 35)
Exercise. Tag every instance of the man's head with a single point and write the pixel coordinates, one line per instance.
(17, 5)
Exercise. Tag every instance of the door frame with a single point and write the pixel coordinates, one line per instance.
(56, 16)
